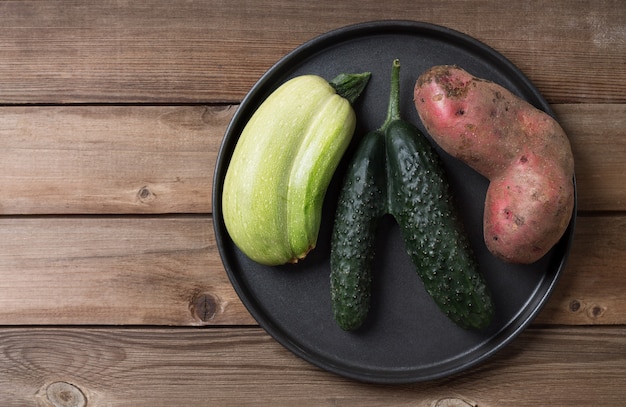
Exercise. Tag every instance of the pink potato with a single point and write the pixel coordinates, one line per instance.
(523, 152)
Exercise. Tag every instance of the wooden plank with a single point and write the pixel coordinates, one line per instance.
(245, 367)
(67, 51)
(109, 159)
(114, 270)
(160, 159)
(591, 290)
(598, 138)
(167, 271)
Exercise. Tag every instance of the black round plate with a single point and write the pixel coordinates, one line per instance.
(406, 337)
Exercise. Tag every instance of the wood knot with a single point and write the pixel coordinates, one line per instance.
(575, 305)
(63, 394)
(145, 195)
(204, 306)
(591, 310)
(595, 311)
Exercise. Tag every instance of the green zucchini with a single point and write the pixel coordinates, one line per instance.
(419, 198)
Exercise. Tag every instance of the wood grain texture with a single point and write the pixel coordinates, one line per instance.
(160, 159)
(114, 270)
(598, 137)
(591, 289)
(109, 159)
(206, 52)
(167, 271)
(245, 367)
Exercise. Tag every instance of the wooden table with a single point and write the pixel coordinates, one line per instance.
(112, 292)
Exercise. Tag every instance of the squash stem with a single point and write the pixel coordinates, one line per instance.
(393, 111)
(350, 85)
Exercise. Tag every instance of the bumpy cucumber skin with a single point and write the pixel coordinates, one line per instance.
(361, 204)
(274, 188)
(411, 183)
(421, 202)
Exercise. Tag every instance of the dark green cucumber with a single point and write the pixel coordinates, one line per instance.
(399, 167)
(422, 204)
(361, 203)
